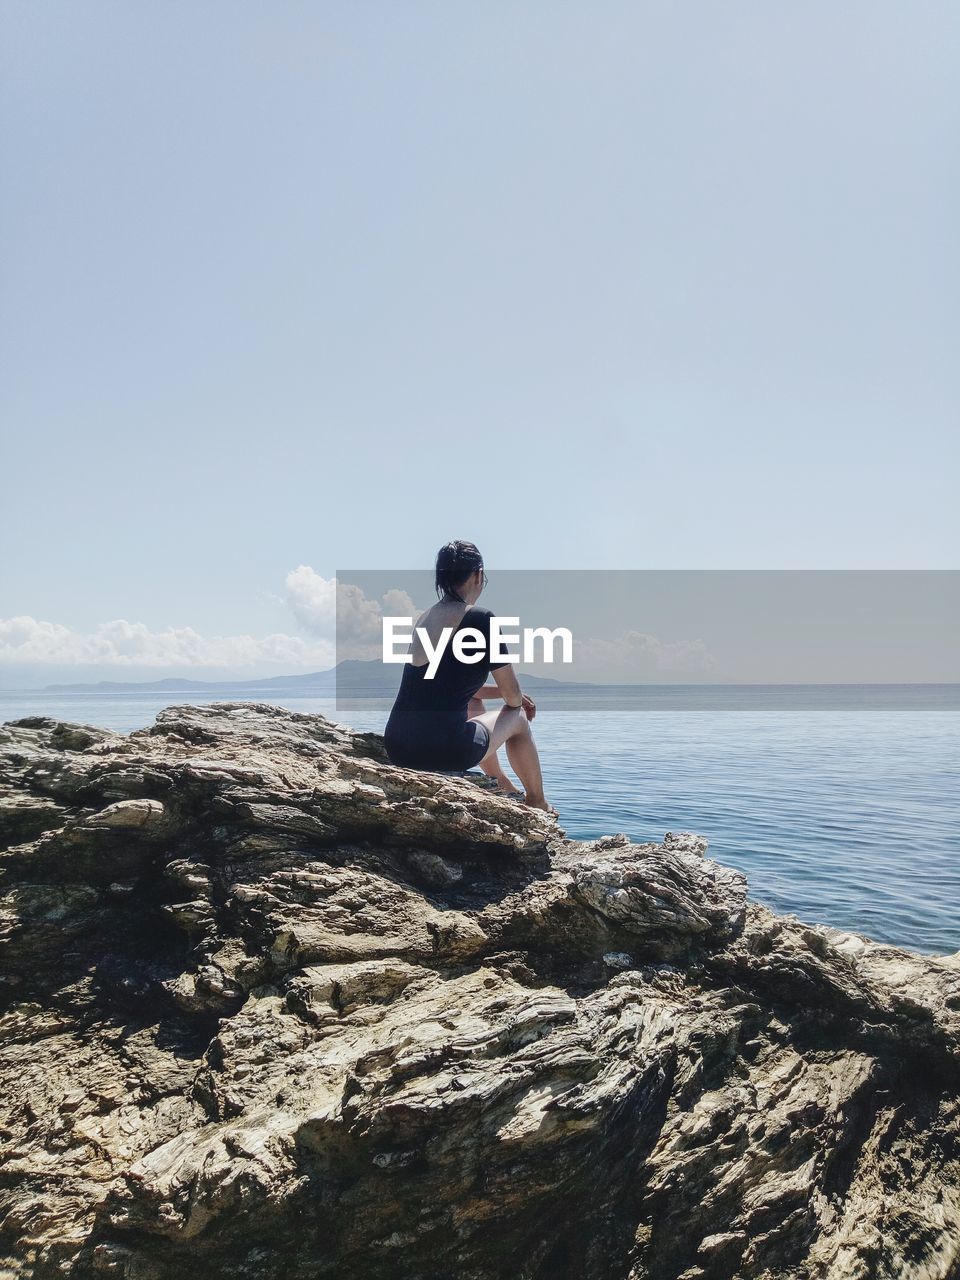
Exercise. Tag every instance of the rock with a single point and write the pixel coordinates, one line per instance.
(274, 1008)
(125, 815)
(637, 887)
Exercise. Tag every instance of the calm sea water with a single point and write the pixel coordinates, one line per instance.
(842, 816)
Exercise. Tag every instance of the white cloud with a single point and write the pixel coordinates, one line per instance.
(312, 599)
(358, 619)
(637, 653)
(397, 604)
(315, 602)
(121, 643)
(326, 608)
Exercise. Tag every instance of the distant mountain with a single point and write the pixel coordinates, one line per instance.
(320, 680)
(142, 686)
(359, 679)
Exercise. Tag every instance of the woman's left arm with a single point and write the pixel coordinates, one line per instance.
(490, 691)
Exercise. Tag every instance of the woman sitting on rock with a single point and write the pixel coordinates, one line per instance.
(440, 723)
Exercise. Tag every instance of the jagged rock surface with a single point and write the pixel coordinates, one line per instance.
(275, 1009)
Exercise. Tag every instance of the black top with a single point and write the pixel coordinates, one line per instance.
(429, 713)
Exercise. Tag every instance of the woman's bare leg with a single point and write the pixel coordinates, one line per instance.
(490, 764)
(509, 726)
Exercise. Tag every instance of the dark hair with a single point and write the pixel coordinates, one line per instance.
(455, 563)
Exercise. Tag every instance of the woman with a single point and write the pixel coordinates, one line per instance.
(441, 723)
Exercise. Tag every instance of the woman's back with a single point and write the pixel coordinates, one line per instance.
(428, 721)
(454, 681)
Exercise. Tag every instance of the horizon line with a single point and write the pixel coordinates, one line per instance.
(132, 685)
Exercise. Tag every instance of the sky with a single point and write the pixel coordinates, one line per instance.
(296, 286)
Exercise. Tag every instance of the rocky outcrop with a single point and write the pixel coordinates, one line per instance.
(273, 1008)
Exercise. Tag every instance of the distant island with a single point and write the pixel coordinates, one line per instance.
(351, 676)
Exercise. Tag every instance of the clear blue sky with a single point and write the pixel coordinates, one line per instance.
(597, 285)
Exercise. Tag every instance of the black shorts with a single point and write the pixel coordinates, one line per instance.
(456, 751)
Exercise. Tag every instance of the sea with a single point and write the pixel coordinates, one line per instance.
(840, 805)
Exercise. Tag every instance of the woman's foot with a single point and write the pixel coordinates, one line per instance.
(506, 787)
(540, 803)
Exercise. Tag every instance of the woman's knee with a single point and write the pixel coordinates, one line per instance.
(522, 728)
(474, 708)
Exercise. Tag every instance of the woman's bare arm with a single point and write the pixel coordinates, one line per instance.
(487, 692)
(509, 689)
(491, 691)
(507, 684)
